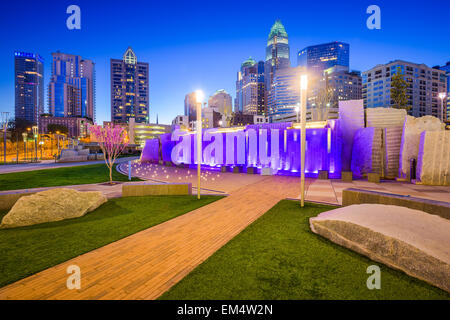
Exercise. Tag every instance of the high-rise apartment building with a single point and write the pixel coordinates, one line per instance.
(324, 56)
(72, 87)
(424, 86)
(129, 89)
(250, 88)
(446, 68)
(222, 102)
(29, 86)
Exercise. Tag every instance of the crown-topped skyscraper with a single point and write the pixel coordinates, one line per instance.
(277, 57)
(277, 51)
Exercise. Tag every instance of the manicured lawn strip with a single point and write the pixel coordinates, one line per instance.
(278, 257)
(28, 250)
(95, 173)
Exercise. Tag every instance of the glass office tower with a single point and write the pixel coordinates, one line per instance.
(324, 56)
(29, 86)
(72, 87)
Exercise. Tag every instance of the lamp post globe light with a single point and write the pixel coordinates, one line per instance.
(199, 97)
(303, 92)
(442, 96)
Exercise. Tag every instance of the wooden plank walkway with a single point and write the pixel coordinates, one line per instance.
(148, 263)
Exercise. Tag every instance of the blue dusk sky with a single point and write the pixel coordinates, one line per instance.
(201, 44)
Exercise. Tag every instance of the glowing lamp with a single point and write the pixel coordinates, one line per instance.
(304, 82)
(199, 96)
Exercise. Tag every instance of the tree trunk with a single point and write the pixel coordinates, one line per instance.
(110, 175)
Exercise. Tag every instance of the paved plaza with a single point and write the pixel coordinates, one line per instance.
(148, 263)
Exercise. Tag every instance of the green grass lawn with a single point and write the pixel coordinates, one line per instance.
(27, 250)
(278, 257)
(95, 173)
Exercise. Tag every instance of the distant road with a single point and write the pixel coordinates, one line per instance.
(50, 164)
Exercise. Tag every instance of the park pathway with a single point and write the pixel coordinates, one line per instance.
(148, 263)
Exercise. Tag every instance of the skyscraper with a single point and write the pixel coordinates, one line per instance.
(324, 56)
(72, 87)
(285, 94)
(277, 56)
(250, 88)
(222, 102)
(129, 89)
(424, 85)
(277, 50)
(29, 86)
(190, 106)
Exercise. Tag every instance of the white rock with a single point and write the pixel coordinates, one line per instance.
(410, 240)
(433, 164)
(412, 129)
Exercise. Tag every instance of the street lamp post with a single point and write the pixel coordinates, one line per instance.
(41, 144)
(5, 116)
(303, 88)
(199, 96)
(442, 96)
(24, 136)
(35, 133)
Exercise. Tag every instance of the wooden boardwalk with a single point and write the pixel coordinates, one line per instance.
(148, 263)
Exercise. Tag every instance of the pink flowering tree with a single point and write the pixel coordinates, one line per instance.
(112, 140)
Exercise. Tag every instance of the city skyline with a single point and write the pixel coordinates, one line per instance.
(183, 58)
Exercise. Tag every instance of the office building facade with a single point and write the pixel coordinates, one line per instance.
(250, 88)
(320, 57)
(222, 102)
(72, 87)
(285, 94)
(336, 84)
(29, 86)
(129, 89)
(77, 127)
(424, 86)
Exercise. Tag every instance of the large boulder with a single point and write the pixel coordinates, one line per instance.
(413, 241)
(433, 163)
(409, 149)
(52, 205)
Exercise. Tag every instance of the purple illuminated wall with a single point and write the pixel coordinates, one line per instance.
(270, 145)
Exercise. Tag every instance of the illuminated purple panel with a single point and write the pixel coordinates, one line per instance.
(268, 145)
(166, 146)
(150, 153)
